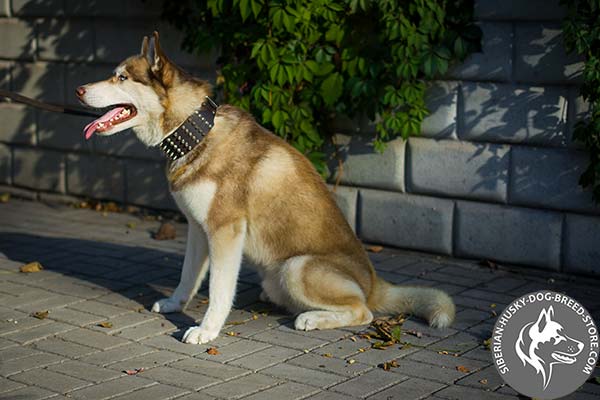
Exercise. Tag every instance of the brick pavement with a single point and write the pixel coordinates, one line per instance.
(107, 268)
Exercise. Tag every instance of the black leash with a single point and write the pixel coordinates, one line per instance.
(57, 108)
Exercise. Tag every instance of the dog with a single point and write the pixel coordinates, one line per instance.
(247, 193)
(543, 344)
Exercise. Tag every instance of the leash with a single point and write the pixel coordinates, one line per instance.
(57, 108)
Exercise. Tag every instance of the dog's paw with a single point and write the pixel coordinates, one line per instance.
(307, 321)
(167, 305)
(198, 335)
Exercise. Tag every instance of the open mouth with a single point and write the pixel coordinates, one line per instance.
(117, 114)
(563, 358)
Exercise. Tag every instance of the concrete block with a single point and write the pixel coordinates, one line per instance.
(114, 8)
(126, 144)
(494, 62)
(41, 81)
(579, 110)
(129, 35)
(65, 40)
(35, 8)
(80, 74)
(39, 169)
(363, 166)
(94, 176)
(62, 131)
(508, 234)
(541, 56)
(519, 10)
(549, 178)
(147, 185)
(4, 8)
(4, 77)
(5, 164)
(441, 100)
(18, 39)
(514, 114)
(18, 124)
(407, 221)
(457, 169)
(346, 199)
(581, 250)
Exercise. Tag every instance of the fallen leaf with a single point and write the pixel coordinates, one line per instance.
(204, 301)
(236, 323)
(134, 371)
(353, 339)
(375, 249)
(213, 351)
(4, 197)
(40, 314)
(463, 369)
(254, 316)
(328, 355)
(389, 365)
(31, 267)
(381, 345)
(415, 333)
(396, 333)
(166, 231)
(351, 361)
(493, 305)
(106, 324)
(306, 351)
(232, 333)
(483, 381)
(487, 343)
(362, 349)
(130, 225)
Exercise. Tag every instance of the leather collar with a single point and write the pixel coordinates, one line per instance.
(191, 132)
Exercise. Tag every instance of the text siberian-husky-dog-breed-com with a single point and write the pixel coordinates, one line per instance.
(246, 192)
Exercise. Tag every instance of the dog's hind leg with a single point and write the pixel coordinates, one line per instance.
(195, 266)
(329, 297)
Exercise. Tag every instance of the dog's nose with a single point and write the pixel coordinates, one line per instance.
(80, 91)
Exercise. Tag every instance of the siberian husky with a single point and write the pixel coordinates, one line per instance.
(246, 192)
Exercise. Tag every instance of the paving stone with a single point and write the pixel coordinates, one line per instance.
(29, 393)
(368, 383)
(48, 302)
(50, 380)
(343, 348)
(210, 368)
(155, 392)
(462, 393)
(408, 221)
(418, 369)
(177, 377)
(147, 361)
(167, 342)
(39, 332)
(15, 352)
(6, 385)
(93, 339)
(374, 357)
(196, 396)
(514, 114)
(126, 321)
(412, 388)
(541, 56)
(74, 317)
(494, 62)
(12, 367)
(265, 358)
(470, 170)
(486, 379)
(549, 178)
(300, 342)
(98, 308)
(232, 351)
(456, 344)
(333, 365)
(88, 372)
(112, 388)
(147, 329)
(288, 390)
(364, 167)
(241, 386)
(330, 396)
(291, 372)
(520, 235)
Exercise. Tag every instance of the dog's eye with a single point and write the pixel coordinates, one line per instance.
(122, 78)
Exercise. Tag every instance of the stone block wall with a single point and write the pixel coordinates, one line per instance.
(492, 176)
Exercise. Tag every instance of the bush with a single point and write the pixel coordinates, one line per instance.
(582, 35)
(296, 65)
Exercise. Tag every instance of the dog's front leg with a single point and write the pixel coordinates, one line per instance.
(195, 266)
(226, 246)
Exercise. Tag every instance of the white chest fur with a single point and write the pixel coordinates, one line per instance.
(195, 200)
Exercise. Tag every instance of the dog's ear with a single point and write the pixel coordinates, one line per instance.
(145, 44)
(544, 318)
(156, 57)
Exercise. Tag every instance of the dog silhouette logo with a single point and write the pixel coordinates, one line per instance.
(545, 345)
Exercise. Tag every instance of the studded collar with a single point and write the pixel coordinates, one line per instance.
(191, 132)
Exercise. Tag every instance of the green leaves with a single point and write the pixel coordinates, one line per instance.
(296, 65)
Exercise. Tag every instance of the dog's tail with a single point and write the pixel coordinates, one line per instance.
(431, 304)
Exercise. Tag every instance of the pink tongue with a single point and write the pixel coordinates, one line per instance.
(93, 126)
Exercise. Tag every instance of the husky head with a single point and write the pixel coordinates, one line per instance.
(147, 92)
(543, 344)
